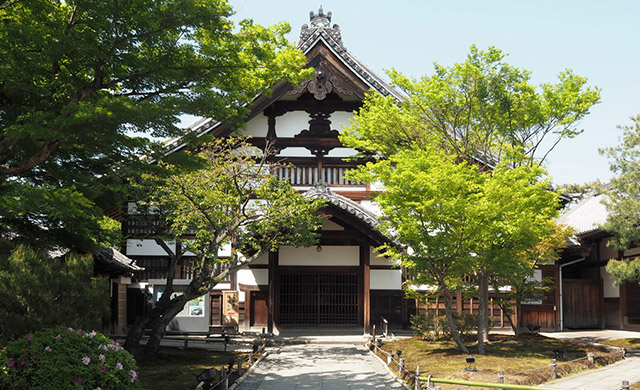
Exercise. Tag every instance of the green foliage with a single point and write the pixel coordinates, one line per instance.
(234, 196)
(67, 358)
(481, 109)
(624, 188)
(84, 85)
(37, 291)
(624, 271)
(437, 327)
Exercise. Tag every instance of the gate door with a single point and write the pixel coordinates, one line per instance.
(318, 299)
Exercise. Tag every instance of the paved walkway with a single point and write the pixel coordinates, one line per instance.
(605, 378)
(321, 367)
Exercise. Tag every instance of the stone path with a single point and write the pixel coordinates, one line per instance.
(321, 367)
(605, 378)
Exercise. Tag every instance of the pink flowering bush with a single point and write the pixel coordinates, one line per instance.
(67, 358)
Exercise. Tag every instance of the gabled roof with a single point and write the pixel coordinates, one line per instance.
(368, 221)
(111, 260)
(318, 35)
(332, 38)
(587, 216)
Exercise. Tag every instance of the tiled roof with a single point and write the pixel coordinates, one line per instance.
(587, 216)
(113, 259)
(320, 30)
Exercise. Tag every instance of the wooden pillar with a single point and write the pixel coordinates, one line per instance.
(273, 290)
(365, 291)
(120, 291)
(405, 316)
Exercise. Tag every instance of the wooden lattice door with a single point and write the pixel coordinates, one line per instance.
(318, 299)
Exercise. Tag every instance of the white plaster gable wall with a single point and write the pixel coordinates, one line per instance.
(257, 126)
(608, 289)
(291, 123)
(385, 279)
(330, 256)
(330, 225)
(262, 259)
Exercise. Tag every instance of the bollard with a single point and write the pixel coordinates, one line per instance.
(373, 332)
(553, 369)
(625, 385)
(590, 358)
(251, 359)
(500, 376)
(401, 367)
(224, 379)
(389, 357)
(416, 380)
(239, 367)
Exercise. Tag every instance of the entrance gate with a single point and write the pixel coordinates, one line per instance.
(318, 299)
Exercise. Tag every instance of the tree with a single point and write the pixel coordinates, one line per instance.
(623, 205)
(83, 84)
(483, 112)
(519, 274)
(38, 292)
(457, 221)
(232, 199)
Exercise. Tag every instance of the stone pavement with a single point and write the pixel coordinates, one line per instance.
(321, 367)
(606, 378)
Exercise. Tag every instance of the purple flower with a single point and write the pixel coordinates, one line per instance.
(77, 381)
(11, 363)
(69, 330)
(103, 368)
(134, 375)
(79, 331)
(86, 360)
(58, 337)
(47, 348)
(92, 334)
(29, 337)
(119, 366)
(98, 388)
(101, 357)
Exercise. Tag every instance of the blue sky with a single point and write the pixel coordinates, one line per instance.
(599, 40)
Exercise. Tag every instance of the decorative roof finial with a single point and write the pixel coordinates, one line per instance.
(320, 24)
(320, 19)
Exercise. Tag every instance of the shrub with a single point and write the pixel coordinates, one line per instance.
(437, 327)
(38, 292)
(67, 358)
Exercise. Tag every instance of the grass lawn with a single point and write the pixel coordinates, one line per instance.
(524, 360)
(176, 368)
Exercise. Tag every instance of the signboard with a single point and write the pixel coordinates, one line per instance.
(230, 309)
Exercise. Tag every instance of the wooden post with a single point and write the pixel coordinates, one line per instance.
(389, 357)
(416, 380)
(590, 358)
(273, 290)
(186, 342)
(251, 359)
(553, 369)
(401, 367)
(625, 385)
(239, 367)
(365, 272)
(500, 376)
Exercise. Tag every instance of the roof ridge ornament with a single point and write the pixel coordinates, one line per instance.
(320, 23)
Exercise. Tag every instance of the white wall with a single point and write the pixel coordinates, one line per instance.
(253, 277)
(257, 126)
(330, 256)
(608, 289)
(385, 279)
(377, 259)
(148, 247)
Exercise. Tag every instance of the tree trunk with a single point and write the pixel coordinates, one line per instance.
(483, 312)
(448, 302)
